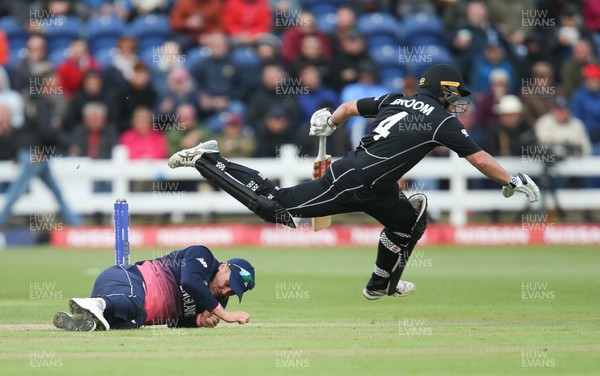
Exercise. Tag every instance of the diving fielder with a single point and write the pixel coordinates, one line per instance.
(405, 130)
(186, 288)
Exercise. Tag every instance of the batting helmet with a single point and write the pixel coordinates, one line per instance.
(444, 80)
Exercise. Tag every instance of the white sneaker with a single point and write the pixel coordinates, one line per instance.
(90, 306)
(188, 157)
(403, 288)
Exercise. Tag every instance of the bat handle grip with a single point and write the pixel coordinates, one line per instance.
(322, 147)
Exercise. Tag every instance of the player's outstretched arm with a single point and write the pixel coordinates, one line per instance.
(323, 122)
(492, 169)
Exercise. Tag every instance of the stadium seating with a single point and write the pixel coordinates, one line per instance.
(147, 56)
(316, 6)
(62, 30)
(436, 55)
(15, 32)
(105, 56)
(326, 22)
(385, 55)
(246, 58)
(194, 57)
(379, 28)
(150, 30)
(57, 56)
(17, 38)
(422, 29)
(104, 31)
(392, 78)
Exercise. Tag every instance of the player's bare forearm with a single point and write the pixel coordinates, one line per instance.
(344, 112)
(489, 167)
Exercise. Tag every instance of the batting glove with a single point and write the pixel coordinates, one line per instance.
(321, 124)
(522, 183)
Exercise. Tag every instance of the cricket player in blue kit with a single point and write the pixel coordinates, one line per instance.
(186, 288)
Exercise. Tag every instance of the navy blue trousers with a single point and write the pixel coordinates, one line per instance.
(122, 288)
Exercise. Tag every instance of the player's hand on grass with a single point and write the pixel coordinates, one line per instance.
(240, 317)
(321, 124)
(232, 316)
(522, 183)
(207, 320)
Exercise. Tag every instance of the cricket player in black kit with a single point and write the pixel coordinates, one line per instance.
(405, 130)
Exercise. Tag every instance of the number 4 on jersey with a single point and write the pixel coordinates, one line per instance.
(383, 129)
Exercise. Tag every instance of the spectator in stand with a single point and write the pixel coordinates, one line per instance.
(168, 58)
(571, 71)
(559, 128)
(33, 65)
(193, 19)
(566, 34)
(246, 20)
(366, 86)
(487, 101)
(219, 78)
(311, 78)
(345, 28)
(187, 131)
(12, 99)
(276, 88)
(4, 49)
(142, 7)
(92, 90)
(184, 132)
(311, 53)
(182, 89)
(285, 14)
(37, 143)
(585, 104)
(591, 16)
(291, 39)
(96, 137)
(137, 93)
(535, 51)
(470, 39)
(71, 71)
(472, 125)
(539, 92)
(563, 136)
(493, 57)
(275, 130)
(121, 69)
(8, 138)
(344, 67)
(236, 141)
(511, 135)
(268, 49)
(142, 140)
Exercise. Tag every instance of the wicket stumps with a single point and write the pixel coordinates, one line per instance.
(121, 217)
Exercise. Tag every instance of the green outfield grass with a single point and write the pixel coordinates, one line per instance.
(477, 311)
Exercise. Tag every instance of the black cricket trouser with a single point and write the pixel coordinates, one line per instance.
(340, 190)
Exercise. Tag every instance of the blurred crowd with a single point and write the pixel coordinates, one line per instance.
(79, 77)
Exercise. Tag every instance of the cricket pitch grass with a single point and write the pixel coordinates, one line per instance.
(517, 310)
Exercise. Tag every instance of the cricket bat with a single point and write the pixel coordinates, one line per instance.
(320, 166)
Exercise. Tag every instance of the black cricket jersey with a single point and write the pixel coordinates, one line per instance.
(405, 130)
